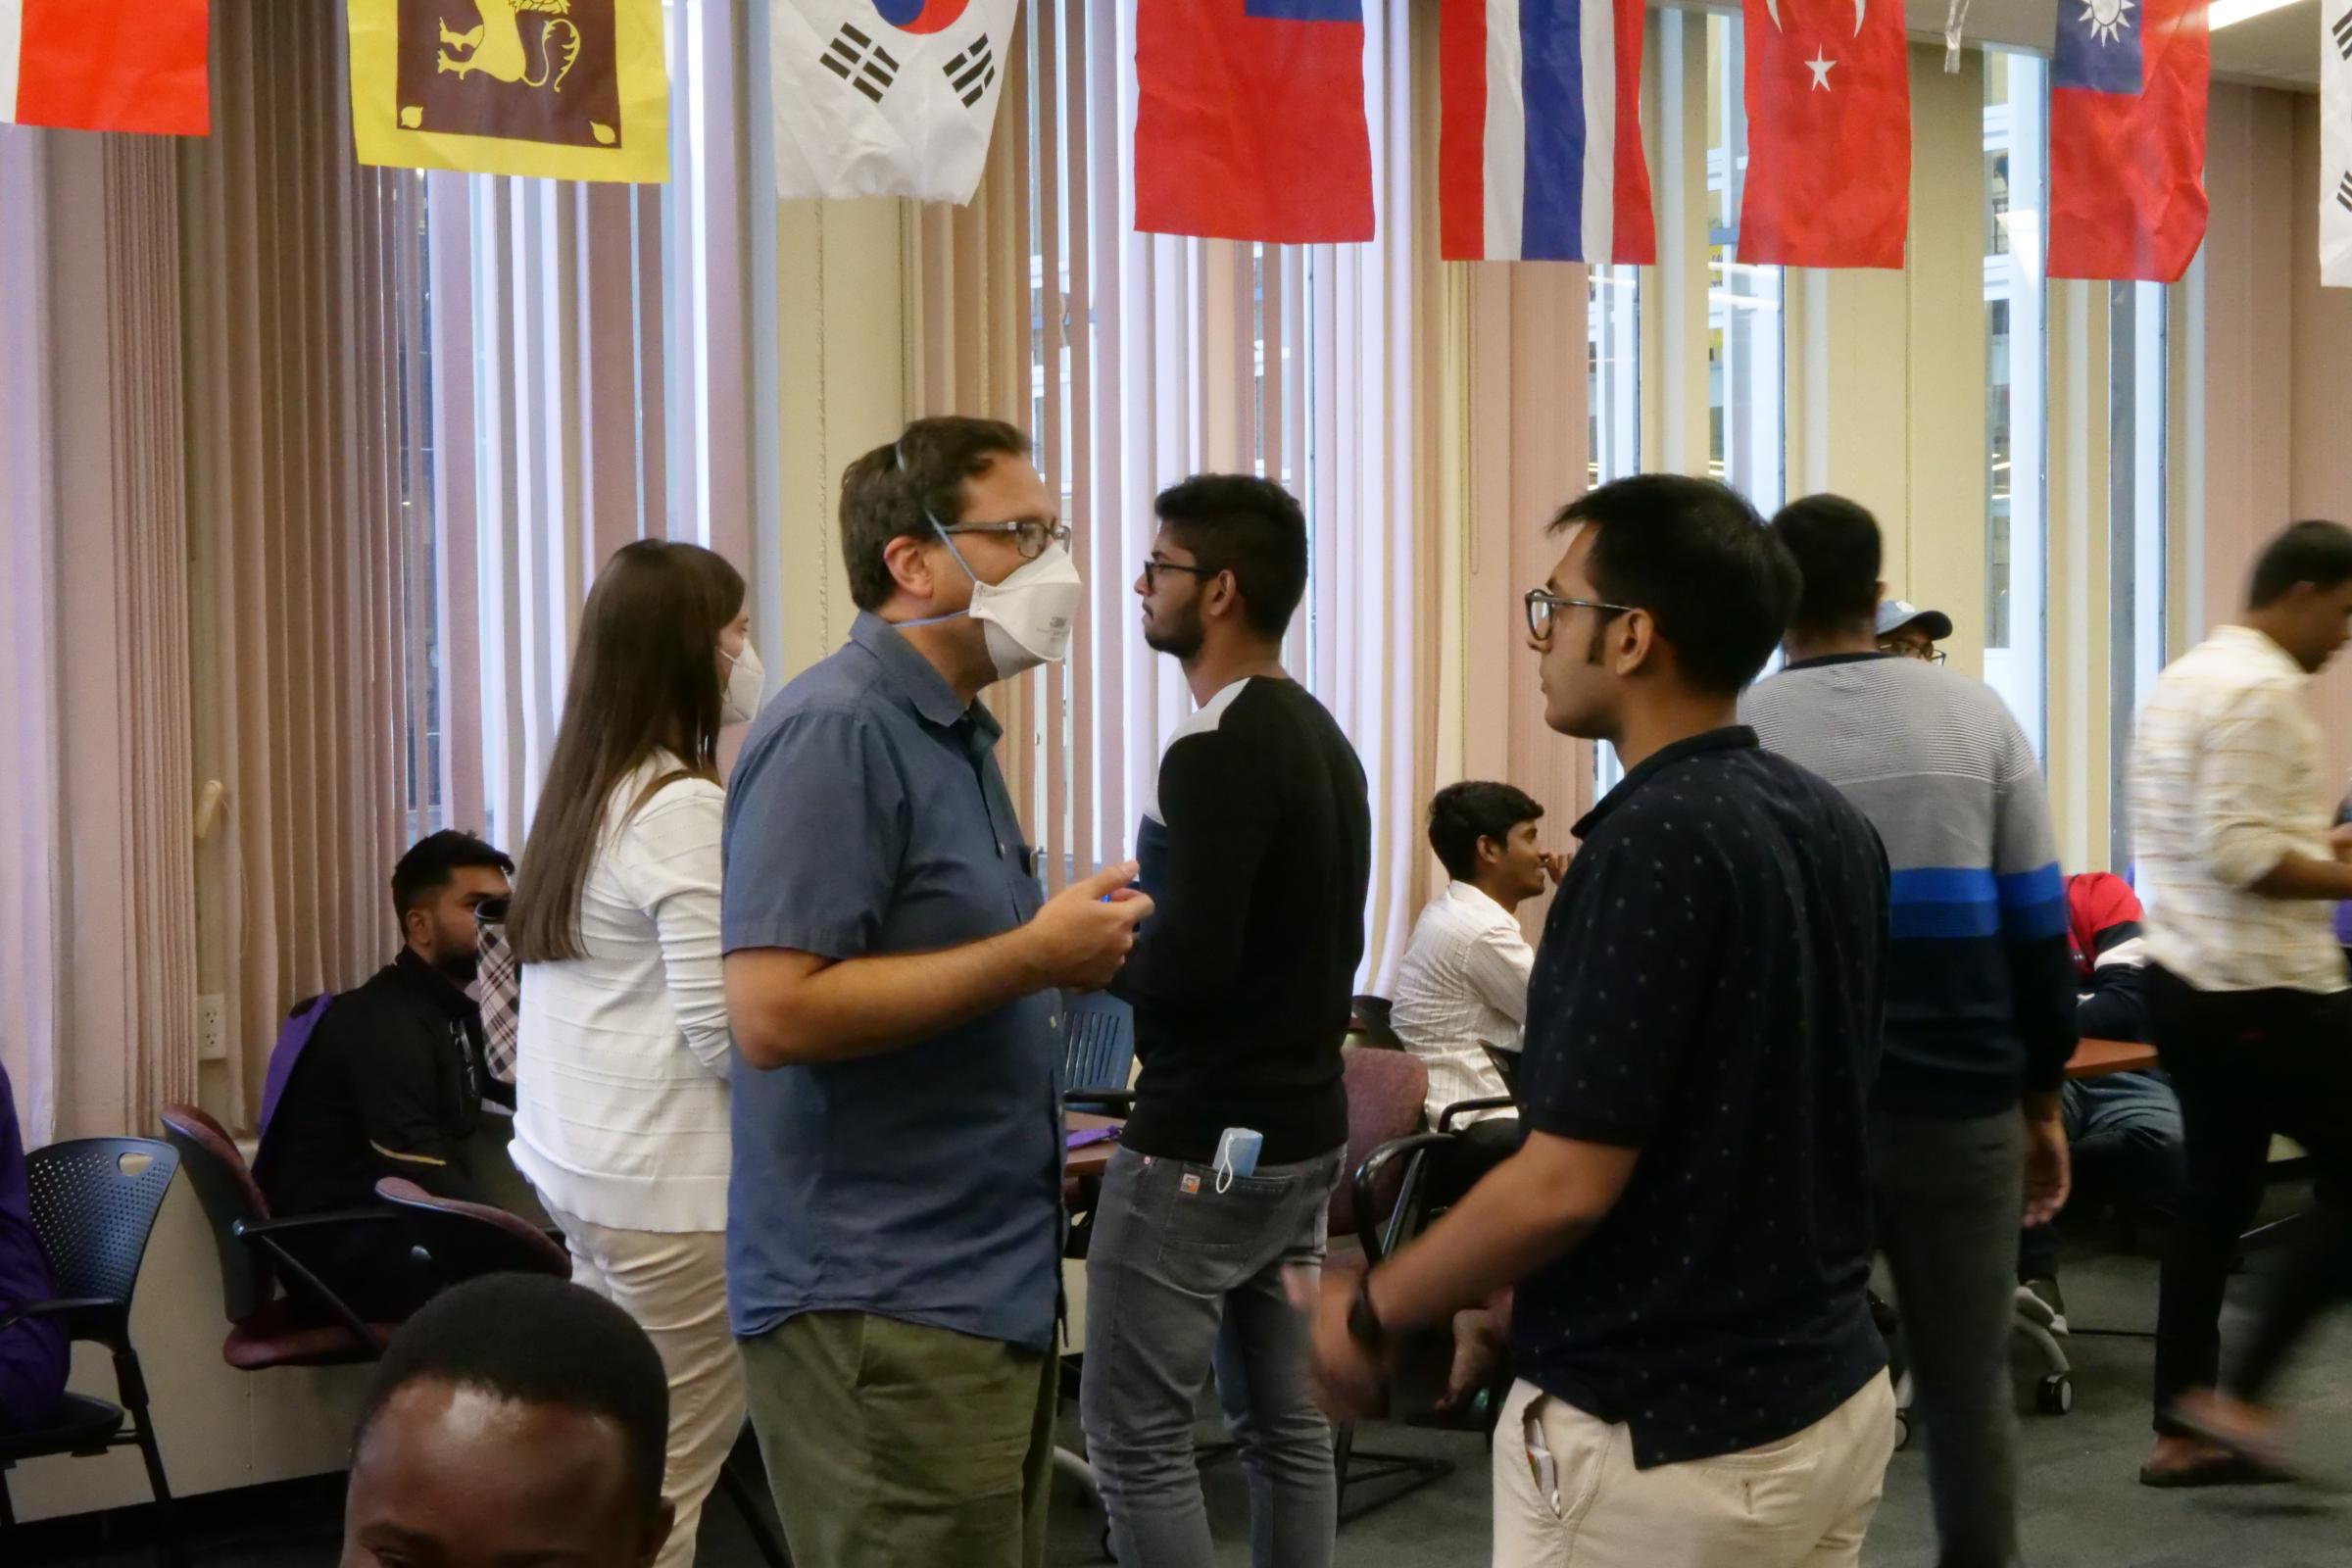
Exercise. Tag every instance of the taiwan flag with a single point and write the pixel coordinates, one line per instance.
(1250, 119)
(2127, 86)
(1828, 134)
(1539, 132)
(106, 65)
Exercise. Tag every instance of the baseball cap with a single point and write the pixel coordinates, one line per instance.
(1896, 613)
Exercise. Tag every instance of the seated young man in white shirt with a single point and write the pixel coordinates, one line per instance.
(1462, 987)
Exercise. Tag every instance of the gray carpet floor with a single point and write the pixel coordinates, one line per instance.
(2082, 1505)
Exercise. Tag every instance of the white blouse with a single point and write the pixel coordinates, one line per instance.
(625, 1054)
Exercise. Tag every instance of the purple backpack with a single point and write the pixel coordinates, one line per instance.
(292, 1037)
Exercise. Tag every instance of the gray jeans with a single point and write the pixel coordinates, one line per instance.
(1180, 1276)
(1950, 1194)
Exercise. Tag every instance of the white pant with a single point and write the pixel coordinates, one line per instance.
(1802, 1502)
(675, 1285)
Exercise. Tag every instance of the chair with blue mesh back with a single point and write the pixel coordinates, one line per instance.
(1099, 1051)
(94, 1203)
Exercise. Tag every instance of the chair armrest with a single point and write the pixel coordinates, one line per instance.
(1110, 1101)
(1376, 1237)
(86, 1318)
(269, 1236)
(1462, 1107)
(325, 1219)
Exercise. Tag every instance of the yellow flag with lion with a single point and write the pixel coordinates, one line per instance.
(563, 89)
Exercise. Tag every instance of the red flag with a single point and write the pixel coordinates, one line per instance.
(2127, 86)
(1828, 134)
(107, 65)
(1250, 119)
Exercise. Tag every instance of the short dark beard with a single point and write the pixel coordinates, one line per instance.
(1181, 641)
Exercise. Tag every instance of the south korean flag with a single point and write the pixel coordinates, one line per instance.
(887, 97)
(2335, 143)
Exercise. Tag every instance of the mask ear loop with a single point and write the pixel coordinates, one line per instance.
(897, 451)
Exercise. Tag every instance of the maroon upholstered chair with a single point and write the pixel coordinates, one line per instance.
(280, 1312)
(465, 1240)
(1386, 1092)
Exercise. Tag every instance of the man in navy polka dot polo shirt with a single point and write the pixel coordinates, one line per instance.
(1687, 1224)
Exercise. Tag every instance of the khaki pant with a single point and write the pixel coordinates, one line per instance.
(1802, 1502)
(675, 1285)
(891, 1445)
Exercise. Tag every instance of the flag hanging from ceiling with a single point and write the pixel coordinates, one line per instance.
(1539, 132)
(1828, 134)
(2127, 85)
(2335, 143)
(106, 65)
(1250, 119)
(562, 89)
(886, 97)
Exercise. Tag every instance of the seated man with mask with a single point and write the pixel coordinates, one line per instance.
(392, 1080)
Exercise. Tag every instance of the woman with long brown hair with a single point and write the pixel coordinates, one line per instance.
(624, 1053)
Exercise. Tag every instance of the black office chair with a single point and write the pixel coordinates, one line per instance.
(94, 1202)
(1099, 1048)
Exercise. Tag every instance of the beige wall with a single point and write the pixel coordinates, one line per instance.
(2277, 393)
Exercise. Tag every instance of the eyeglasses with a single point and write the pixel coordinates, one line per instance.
(1542, 604)
(1927, 655)
(1029, 535)
(1154, 565)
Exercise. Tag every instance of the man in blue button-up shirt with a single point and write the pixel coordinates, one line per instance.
(893, 1235)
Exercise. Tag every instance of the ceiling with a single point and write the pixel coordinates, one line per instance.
(2280, 49)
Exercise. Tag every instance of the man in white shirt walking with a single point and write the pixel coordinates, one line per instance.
(1462, 987)
(2248, 998)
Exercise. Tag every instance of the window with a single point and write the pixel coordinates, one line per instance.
(2136, 559)
(1613, 343)
(2015, 158)
(1746, 328)
(1155, 357)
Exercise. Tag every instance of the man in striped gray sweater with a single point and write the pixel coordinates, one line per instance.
(1966, 1132)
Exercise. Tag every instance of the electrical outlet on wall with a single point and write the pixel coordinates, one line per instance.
(211, 1027)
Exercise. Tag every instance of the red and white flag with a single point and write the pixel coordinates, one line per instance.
(106, 65)
(1828, 134)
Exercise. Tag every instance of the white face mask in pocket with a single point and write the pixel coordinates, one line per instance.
(1236, 1154)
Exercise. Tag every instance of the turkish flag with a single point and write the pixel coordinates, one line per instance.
(1828, 134)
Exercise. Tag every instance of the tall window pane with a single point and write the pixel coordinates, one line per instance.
(2016, 161)
(2137, 349)
(1613, 349)
(1747, 329)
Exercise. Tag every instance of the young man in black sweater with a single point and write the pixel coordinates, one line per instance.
(393, 1079)
(1258, 853)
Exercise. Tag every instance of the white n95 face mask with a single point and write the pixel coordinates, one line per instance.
(1028, 617)
(739, 701)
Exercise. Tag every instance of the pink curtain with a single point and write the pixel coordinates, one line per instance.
(97, 953)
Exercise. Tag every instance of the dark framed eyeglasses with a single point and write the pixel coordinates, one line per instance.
(491, 911)
(1154, 565)
(1542, 605)
(1925, 655)
(1029, 535)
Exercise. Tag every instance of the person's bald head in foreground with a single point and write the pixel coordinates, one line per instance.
(516, 1422)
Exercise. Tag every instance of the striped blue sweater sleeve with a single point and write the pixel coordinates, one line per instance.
(2031, 895)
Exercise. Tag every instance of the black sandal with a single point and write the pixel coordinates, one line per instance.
(2224, 1470)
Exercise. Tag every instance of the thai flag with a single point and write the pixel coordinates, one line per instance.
(1539, 132)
